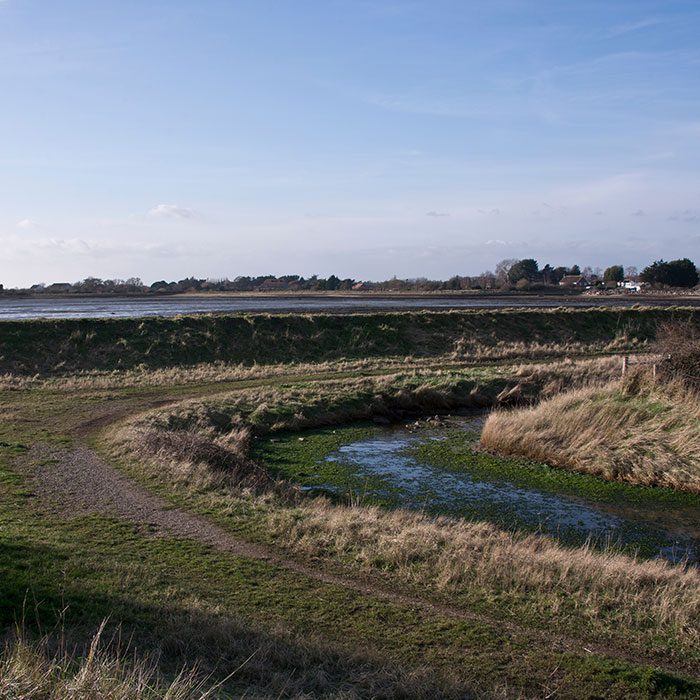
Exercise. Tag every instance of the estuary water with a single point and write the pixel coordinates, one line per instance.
(124, 307)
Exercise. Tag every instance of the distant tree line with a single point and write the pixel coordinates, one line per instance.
(526, 273)
(676, 273)
(509, 274)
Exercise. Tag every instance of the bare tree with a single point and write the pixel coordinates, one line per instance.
(502, 270)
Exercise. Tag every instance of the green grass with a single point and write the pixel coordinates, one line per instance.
(302, 460)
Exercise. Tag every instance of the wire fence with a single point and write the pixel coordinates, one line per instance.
(656, 361)
(650, 360)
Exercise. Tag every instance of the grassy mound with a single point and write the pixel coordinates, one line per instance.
(216, 433)
(640, 431)
(71, 345)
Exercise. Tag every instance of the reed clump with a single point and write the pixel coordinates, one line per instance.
(642, 430)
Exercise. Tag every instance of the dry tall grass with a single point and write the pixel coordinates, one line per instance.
(226, 659)
(604, 591)
(464, 353)
(640, 430)
(33, 671)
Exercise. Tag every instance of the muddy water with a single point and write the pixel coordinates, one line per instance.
(394, 465)
(121, 307)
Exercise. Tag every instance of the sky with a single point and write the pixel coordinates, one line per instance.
(362, 138)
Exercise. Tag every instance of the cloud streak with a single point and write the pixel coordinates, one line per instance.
(171, 211)
(631, 27)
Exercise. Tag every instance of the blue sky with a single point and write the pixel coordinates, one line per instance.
(364, 138)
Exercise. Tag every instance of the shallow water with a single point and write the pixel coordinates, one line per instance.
(388, 469)
(123, 307)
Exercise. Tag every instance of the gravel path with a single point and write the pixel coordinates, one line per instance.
(77, 481)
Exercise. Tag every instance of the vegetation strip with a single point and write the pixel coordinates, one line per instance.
(59, 347)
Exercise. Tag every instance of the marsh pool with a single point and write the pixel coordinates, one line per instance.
(434, 465)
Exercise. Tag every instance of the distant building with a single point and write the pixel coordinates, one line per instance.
(632, 286)
(359, 286)
(58, 288)
(573, 281)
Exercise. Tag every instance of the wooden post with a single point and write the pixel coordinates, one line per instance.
(625, 362)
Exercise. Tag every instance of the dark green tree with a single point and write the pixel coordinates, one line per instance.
(526, 269)
(675, 273)
(558, 273)
(332, 283)
(615, 273)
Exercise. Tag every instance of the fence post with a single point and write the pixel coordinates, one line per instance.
(624, 365)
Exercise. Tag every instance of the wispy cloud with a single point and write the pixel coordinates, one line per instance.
(80, 246)
(171, 211)
(436, 214)
(630, 27)
(25, 223)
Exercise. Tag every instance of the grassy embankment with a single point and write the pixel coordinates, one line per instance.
(60, 347)
(283, 633)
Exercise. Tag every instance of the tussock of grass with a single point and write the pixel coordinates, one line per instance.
(37, 670)
(640, 431)
(231, 465)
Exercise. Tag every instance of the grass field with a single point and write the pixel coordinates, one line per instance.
(136, 520)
